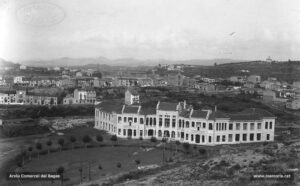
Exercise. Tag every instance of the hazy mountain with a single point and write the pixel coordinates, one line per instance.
(123, 62)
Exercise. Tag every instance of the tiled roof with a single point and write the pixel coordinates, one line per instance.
(148, 111)
(217, 114)
(185, 113)
(239, 117)
(199, 114)
(167, 106)
(131, 109)
(261, 112)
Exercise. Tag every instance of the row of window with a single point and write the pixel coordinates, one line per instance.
(186, 124)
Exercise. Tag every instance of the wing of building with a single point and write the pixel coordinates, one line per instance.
(179, 121)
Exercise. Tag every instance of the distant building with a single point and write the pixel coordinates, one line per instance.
(7, 97)
(23, 67)
(81, 96)
(131, 97)
(40, 99)
(254, 79)
(175, 78)
(237, 79)
(293, 104)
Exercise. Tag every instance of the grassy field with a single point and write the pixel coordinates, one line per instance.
(107, 157)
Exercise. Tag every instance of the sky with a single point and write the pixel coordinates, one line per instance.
(150, 29)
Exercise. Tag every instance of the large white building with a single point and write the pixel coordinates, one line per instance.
(178, 121)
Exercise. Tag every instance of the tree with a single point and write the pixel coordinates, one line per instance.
(164, 141)
(61, 143)
(114, 138)
(119, 165)
(39, 147)
(72, 140)
(30, 151)
(202, 151)
(86, 139)
(177, 144)
(49, 143)
(100, 167)
(141, 139)
(23, 154)
(153, 139)
(99, 138)
(60, 170)
(186, 146)
(137, 162)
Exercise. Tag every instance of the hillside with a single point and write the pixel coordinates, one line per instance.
(284, 71)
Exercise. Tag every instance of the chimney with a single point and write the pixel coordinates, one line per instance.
(215, 108)
(184, 104)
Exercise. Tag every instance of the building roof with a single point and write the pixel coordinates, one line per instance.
(261, 112)
(240, 116)
(167, 106)
(148, 111)
(131, 109)
(217, 115)
(185, 113)
(199, 114)
(133, 92)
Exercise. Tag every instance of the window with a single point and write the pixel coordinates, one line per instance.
(266, 125)
(129, 119)
(119, 119)
(141, 121)
(251, 126)
(237, 126)
(198, 128)
(147, 121)
(218, 138)
(119, 131)
(124, 132)
(186, 137)
(204, 125)
(245, 126)
(244, 137)
(223, 138)
(229, 137)
(187, 124)
(258, 136)
(141, 132)
(203, 139)
(268, 136)
(192, 137)
(135, 120)
(167, 122)
(258, 125)
(270, 125)
(150, 121)
(209, 139)
(237, 137)
(173, 123)
(134, 132)
(160, 122)
(193, 124)
(210, 126)
(251, 137)
(230, 126)
(125, 119)
(179, 123)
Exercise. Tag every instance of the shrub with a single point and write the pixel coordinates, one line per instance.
(153, 139)
(119, 165)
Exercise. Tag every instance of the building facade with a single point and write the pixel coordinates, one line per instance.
(178, 121)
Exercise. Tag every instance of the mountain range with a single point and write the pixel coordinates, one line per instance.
(65, 61)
